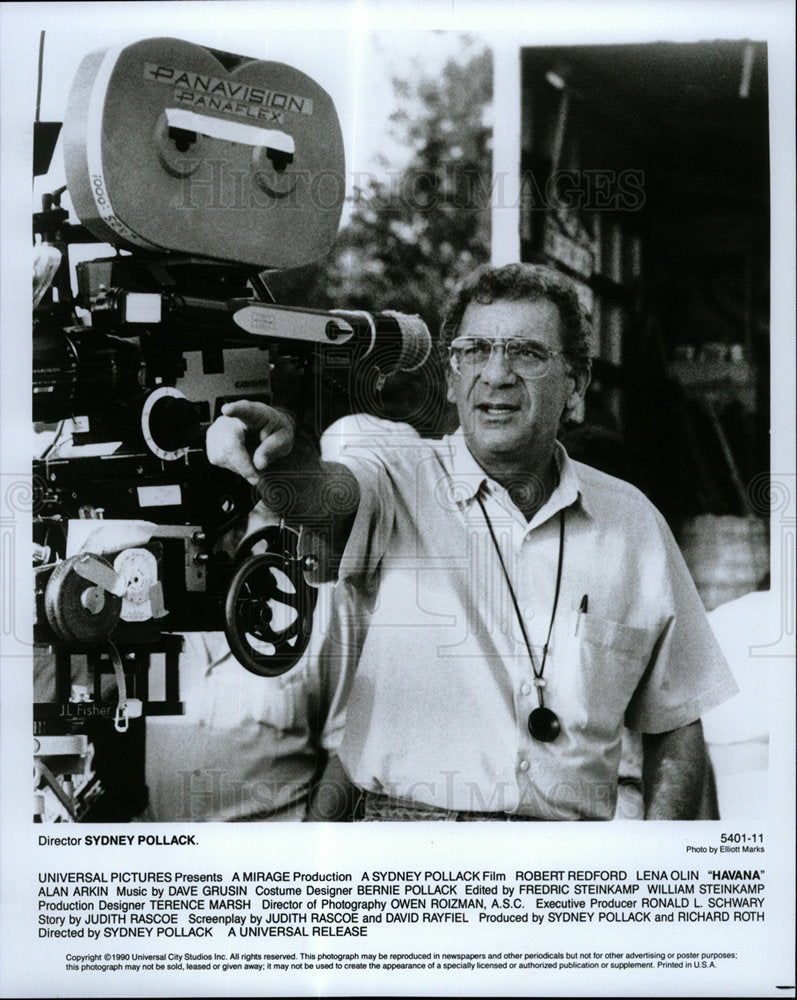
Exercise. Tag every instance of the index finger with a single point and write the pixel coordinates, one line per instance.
(276, 444)
(254, 415)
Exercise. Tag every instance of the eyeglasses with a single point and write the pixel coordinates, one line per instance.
(527, 358)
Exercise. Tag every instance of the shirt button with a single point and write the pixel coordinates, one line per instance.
(525, 689)
(524, 765)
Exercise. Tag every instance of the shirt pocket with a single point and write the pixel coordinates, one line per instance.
(609, 660)
(607, 634)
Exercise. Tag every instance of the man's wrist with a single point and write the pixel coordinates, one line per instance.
(289, 486)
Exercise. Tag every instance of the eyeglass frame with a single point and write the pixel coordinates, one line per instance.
(500, 341)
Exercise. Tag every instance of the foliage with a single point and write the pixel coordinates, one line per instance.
(414, 234)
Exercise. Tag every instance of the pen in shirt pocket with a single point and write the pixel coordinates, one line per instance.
(582, 610)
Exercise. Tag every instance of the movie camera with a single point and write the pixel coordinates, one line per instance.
(205, 172)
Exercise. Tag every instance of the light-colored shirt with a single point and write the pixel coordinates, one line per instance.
(440, 699)
(737, 733)
(248, 747)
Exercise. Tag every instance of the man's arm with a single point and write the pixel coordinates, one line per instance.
(260, 443)
(675, 773)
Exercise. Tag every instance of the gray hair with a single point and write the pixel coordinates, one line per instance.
(524, 283)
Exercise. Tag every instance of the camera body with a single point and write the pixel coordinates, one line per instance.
(205, 172)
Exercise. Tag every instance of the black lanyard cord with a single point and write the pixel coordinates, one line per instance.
(538, 680)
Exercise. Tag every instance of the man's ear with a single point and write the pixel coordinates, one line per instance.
(574, 405)
(451, 395)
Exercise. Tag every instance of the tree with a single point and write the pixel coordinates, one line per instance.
(412, 236)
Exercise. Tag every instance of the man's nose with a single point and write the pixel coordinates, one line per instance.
(498, 369)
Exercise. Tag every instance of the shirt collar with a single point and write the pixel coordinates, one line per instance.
(470, 476)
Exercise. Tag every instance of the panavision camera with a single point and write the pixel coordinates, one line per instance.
(205, 172)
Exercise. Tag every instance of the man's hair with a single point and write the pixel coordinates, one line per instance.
(524, 283)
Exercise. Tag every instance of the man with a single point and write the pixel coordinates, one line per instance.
(523, 607)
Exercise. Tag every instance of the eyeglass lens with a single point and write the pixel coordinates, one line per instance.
(526, 357)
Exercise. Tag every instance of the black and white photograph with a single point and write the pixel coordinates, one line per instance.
(401, 431)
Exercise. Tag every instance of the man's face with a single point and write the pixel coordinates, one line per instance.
(510, 421)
